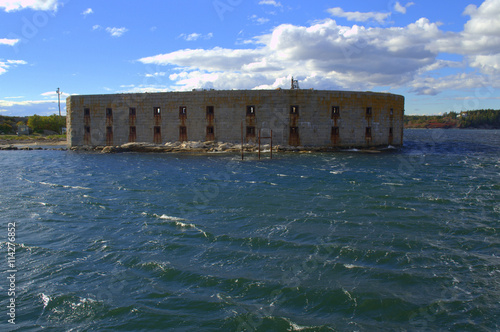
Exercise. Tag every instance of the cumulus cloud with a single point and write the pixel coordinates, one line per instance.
(323, 54)
(359, 16)
(480, 39)
(9, 42)
(402, 9)
(116, 32)
(15, 5)
(326, 55)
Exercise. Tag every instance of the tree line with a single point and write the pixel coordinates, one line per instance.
(485, 119)
(36, 123)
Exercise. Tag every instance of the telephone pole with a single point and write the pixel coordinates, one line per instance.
(58, 91)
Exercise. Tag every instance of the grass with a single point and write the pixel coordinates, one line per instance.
(33, 137)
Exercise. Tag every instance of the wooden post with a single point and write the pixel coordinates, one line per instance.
(271, 144)
(242, 157)
(259, 144)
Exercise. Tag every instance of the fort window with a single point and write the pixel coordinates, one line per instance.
(391, 112)
(390, 131)
(131, 116)
(335, 131)
(368, 111)
(157, 135)
(294, 130)
(250, 110)
(182, 111)
(294, 109)
(368, 132)
(210, 110)
(250, 131)
(157, 115)
(210, 133)
(183, 133)
(132, 134)
(86, 116)
(335, 111)
(86, 135)
(109, 136)
(109, 112)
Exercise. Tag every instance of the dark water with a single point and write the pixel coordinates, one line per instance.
(406, 240)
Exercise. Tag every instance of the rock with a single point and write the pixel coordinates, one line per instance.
(8, 147)
(109, 149)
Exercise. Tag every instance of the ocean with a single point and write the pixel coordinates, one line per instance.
(404, 240)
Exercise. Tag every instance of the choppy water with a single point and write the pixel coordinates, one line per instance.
(406, 240)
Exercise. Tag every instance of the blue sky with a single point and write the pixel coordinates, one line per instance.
(441, 55)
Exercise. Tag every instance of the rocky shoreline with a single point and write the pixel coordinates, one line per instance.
(185, 147)
(218, 147)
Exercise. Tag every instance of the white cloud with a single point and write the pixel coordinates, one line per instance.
(5, 65)
(259, 20)
(116, 32)
(87, 12)
(157, 74)
(359, 16)
(53, 94)
(480, 39)
(195, 36)
(14, 5)
(96, 27)
(325, 55)
(8, 103)
(270, 3)
(402, 9)
(9, 42)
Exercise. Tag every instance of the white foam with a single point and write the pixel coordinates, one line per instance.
(45, 300)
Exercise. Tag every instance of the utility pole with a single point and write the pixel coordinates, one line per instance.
(58, 91)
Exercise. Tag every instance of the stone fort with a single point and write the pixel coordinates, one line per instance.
(308, 118)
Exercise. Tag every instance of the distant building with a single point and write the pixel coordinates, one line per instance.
(23, 130)
(310, 118)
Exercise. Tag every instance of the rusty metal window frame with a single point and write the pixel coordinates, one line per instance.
(294, 109)
(210, 110)
(109, 112)
(183, 130)
(251, 131)
(157, 111)
(335, 131)
(86, 112)
(132, 111)
(294, 130)
(87, 129)
(251, 110)
(182, 111)
(133, 130)
(369, 111)
(368, 132)
(210, 130)
(335, 111)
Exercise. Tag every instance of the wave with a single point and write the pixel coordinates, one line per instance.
(54, 185)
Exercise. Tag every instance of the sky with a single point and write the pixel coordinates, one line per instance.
(443, 56)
